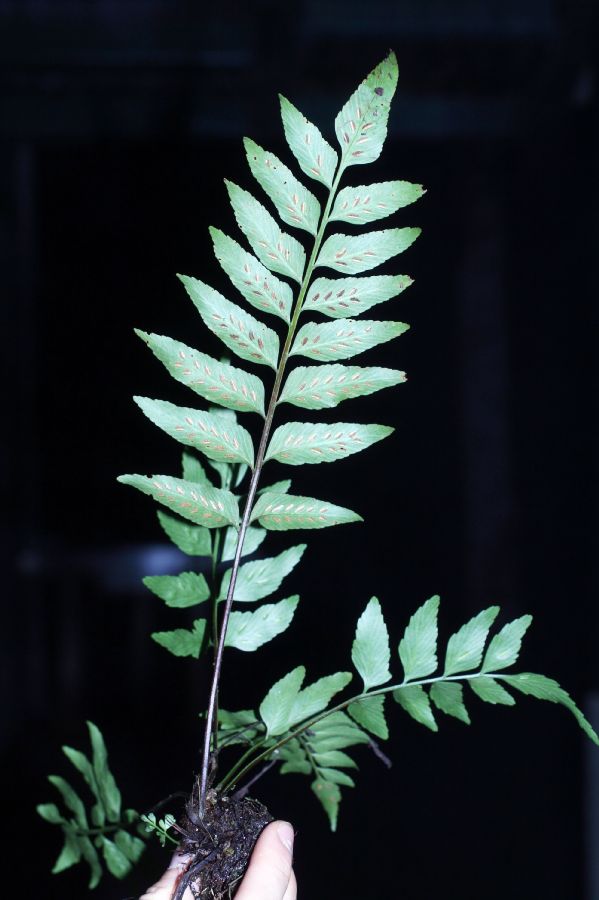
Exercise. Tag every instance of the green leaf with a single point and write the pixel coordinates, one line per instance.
(279, 487)
(205, 432)
(335, 732)
(200, 504)
(262, 577)
(370, 650)
(132, 847)
(276, 708)
(295, 204)
(280, 512)
(369, 202)
(341, 298)
(296, 443)
(336, 777)
(544, 688)
(116, 861)
(448, 697)
(352, 254)
(323, 387)
(71, 799)
(277, 250)
(239, 727)
(315, 156)
(249, 630)
(191, 539)
(237, 329)
(215, 381)
(504, 648)
(330, 797)
(254, 281)
(294, 758)
(50, 813)
(370, 713)
(361, 126)
(179, 591)
(317, 696)
(181, 641)
(465, 647)
(343, 338)
(414, 699)
(490, 691)
(84, 767)
(335, 758)
(69, 855)
(193, 470)
(253, 539)
(91, 857)
(418, 647)
(109, 792)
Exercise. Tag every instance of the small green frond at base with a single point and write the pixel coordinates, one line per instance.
(281, 512)
(109, 823)
(183, 641)
(69, 855)
(544, 688)
(418, 647)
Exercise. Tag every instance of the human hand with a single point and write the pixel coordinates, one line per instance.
(269, 875)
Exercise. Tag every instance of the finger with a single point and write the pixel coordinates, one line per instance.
(165, 888)
(291, 892)
(269, 873)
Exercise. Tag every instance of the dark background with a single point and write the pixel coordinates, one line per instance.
(119, 121)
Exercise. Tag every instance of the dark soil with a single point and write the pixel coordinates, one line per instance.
(220, 845)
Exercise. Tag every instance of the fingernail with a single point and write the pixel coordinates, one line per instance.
(286, 835)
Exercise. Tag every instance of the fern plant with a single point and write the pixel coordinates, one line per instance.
(226, 515)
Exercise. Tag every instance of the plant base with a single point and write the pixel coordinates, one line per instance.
(220, 845)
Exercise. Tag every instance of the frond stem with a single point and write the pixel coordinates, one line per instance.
(229, 782)
(253, 487)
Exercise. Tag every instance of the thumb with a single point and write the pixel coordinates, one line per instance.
(165, 888)
(269, 875)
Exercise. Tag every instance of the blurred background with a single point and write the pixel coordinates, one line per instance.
(120, 119)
